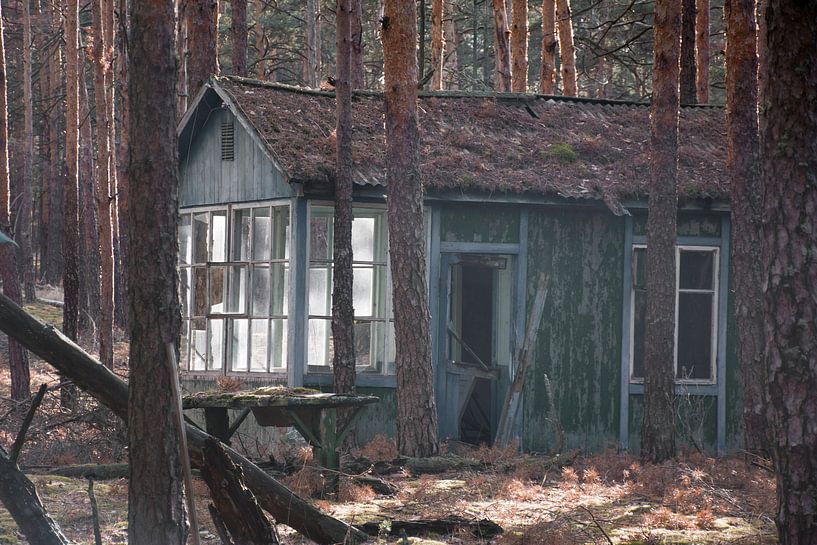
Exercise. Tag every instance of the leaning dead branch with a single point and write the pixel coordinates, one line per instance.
(21, 435)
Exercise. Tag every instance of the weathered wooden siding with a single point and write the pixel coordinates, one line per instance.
(579, 343)
(480, 223)
(205, 179)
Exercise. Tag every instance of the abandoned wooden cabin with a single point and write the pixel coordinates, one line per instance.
(515, 185)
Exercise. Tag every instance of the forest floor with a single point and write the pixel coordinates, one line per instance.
(606, 498)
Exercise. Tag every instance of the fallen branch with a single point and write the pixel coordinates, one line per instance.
(94, 511)
(19, 497)
(482, 529)
(21, 435)
(108, 389)
(100, 472)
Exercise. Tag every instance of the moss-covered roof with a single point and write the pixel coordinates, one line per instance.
(272, 396)
(498, 143)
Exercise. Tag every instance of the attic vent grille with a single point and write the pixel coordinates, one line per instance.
(227, 141)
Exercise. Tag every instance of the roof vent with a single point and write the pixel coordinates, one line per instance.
(227, 141)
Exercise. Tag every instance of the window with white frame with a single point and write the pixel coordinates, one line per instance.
(696, 314)
(374, 325)
(233, 269)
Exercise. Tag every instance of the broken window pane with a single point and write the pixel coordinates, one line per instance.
(185, 240)
(261, 234)
(219, 237)
(198, 344)
(240, 242)
(200, 237)
(184, 292)
(239, 336)
(218, 275)
(215, 334)
(259, 333)
(237, 300)
(280, 230)
(694, 336)
(184, 348)
(200, 291)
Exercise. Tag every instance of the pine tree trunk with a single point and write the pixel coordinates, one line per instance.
(658, 433)
(155, 508)
(121, 170)
(52, 264)
(18, 358)
(103, 188)
(502, 47)
(416, 408)
(747, 210)
(567, 52)
(789, 148)
(312, 62)
(547, 72)
(358, 72)
(260, 42)
(238, 31)
(519, 46)
(702, 51)
(70, 243)
(688, 69)
(24, 235)
(437, 44)
(201, 18)
(343, 316)
(451, 38)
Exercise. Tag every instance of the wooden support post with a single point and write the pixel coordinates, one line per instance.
(328, 453)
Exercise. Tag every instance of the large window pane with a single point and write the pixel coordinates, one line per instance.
(319, 291)
(261, 234)
(365, 333)
(218, 277)
(185, 240)
(696, 270)
(319, 242)
(362, 293)
(219, 237)
(215, 335)
(278, 344)
(200, 237)
(279, 274)
(694, 336)
(239, 337)
(259, 335)
(198, 344)
(260, 290)
(363, 239)
(318, 344)
(237, 300)
(240, 237)
(280, 246)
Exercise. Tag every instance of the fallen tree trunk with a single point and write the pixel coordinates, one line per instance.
(20, 499)
(481, 529)
(88, 374)
(99, 472)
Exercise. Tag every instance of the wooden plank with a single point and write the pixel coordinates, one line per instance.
(511, 405)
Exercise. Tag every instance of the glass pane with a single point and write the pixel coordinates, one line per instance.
(697, 268)
(184, 345)
(239, 335)
(695, 336)
(237, 300)
(278, 344)
(279, 288)
(639, 326)
(260, 291)
(200, 236)
(198, 344)
(200, 291)
(319, 243)
(215, 334)
(364, 341)
(217, 278)
(379, 339)
(363, 239)
(185, 240)
(319, 352)
(280, 246)
(261, 234)
(185, 292)
(639, 268)
(219, 234)
(259, 330)
(362, 291)
(241, 235)
(319, 294)
(390, 365)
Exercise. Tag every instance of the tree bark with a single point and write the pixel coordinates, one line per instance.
(547, 72)
(24, 235)
(18, 358)
(450, 63)
(702, 51)
(238, 31)
(567, 52)
(201, 19)
(122, 151)
(519, 46)
(19, 497)
(103, 186)
(416, 409)
(437, 44)
(111, 391)
(789, 148)
(688, 69)
(358, 73)
(260, 42)
(70, 242)
(312, 62)
(155, 507)
(747, 210)
(52, 226)
(502, 79)
(658, 433)
(343, 314)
